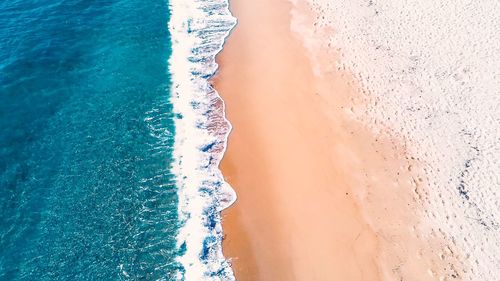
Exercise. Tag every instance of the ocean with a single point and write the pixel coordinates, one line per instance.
(110, 140)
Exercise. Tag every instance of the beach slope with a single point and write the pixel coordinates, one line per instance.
(320, 197)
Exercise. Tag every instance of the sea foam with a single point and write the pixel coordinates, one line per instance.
(198, 29)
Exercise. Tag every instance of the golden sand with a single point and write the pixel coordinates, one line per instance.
(320, 197)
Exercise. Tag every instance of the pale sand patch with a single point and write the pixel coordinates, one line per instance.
(433, 72)
(319, 196)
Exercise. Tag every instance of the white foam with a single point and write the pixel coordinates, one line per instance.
(433, 69)
(198, 29)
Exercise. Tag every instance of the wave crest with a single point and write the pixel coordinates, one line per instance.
(198, 29)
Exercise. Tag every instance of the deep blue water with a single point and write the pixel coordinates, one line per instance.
(86, 137)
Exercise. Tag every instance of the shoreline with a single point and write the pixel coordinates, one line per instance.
(202, 192)
(312, 181)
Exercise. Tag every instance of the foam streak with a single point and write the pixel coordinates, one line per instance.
(198, 29)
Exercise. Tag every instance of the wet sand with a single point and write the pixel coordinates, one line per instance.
(320, 197)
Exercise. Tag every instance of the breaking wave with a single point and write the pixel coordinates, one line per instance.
(198, 29)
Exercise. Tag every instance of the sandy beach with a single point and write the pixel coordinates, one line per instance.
(320, 196)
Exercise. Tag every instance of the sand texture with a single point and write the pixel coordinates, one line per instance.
(430, 73)
(321, 195)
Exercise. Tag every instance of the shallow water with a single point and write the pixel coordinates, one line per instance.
(86, 139)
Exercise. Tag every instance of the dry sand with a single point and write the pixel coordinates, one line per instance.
(432, 71)
(319, 196)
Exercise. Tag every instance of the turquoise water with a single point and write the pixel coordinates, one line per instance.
(86, 139)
